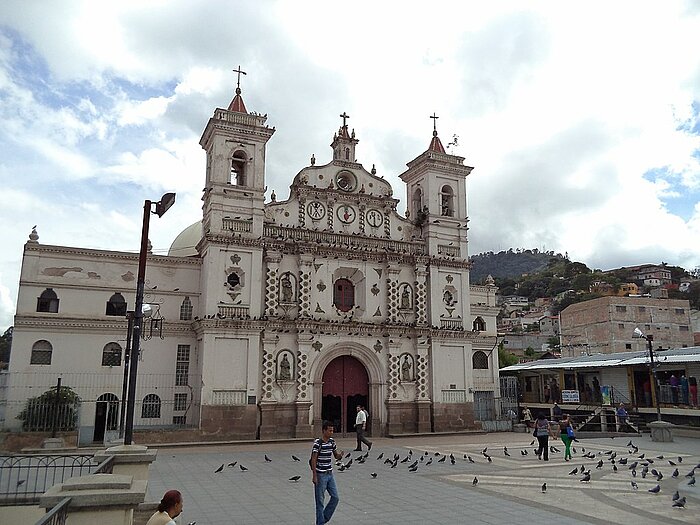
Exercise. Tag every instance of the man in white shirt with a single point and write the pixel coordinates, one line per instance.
(360, 425)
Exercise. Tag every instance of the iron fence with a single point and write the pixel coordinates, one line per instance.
(24, 478)
(57, 515)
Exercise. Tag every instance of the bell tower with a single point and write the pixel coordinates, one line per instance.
(344, 143)
(234, 194)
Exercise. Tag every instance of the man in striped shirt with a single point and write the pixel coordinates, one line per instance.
(322, 467)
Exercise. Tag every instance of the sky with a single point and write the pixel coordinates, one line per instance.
(581, 119)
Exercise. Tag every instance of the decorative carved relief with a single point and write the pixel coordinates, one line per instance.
(285, 372)
(407, 367)
(406, 298)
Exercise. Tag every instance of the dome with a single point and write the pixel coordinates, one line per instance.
(184, 244)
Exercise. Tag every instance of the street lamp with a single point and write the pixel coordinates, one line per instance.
(147, 310)
(163, 205)
(650, 344)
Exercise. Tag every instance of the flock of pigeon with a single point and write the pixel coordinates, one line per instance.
(636, 465)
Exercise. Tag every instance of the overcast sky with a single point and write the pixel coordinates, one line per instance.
(581, 119)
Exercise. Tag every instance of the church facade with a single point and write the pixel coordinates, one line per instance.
(276, 315)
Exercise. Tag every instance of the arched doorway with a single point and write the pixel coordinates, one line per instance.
(345, 385)
(106, 415)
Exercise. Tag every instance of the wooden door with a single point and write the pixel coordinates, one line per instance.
(345, 385)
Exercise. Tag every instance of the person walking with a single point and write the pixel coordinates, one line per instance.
(566, 432)
(168, 509)
(556, 411)
(360, 424)
(542, 433)
(527, 417)
(322, 453)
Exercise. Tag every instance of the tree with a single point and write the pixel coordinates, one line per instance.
(40, 412)
(505, 358)
(529, 352)
(5, 345)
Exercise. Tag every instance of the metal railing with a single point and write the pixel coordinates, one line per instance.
(57, 515)
(24, 478)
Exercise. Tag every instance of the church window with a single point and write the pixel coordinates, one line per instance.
(446, 201)
(478, 325)
(343, 295)
(47, 301)
(417, 202)
(233, 279)
(41, 353)
(112, 354)
(480, 361)
(150, 408)
(347, 153)
(116, 305)
(180, 402)
(238, 174)
(186, 310)
(182, 365)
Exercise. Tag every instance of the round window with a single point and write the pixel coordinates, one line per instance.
(233, 279)
(346, 181)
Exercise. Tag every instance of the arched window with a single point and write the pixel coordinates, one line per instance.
(347, 153)
(238, 175)
(343, 295)
(41, 353)
(480, 361)
(478, 325)
(47, 301)
(112, 402)
(112, 354)
(150, 408)
(186, 310)
(447, 201)
(417, 203)
(116, 305)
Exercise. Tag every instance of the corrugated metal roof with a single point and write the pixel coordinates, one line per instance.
(675, 355)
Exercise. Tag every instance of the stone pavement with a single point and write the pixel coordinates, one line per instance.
(509, 488)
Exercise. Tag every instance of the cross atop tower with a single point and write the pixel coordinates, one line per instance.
(238, 82)
(344, 116)
(434, 117)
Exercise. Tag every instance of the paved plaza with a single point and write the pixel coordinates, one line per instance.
(508, 490)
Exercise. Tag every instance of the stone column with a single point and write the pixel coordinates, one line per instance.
(272, 259)
(303, 402)
(130, 460)
(421, 294)
(268, 428)
(305, 266)
(394, 424)
(107, 499)
(422, 372)
(392, 293)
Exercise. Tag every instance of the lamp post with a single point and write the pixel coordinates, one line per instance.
(650, 345)
(165, 202)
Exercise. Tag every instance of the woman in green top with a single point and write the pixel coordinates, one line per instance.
(567, 435)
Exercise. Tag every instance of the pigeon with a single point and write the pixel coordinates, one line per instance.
(505, 452)
(676, 496)
(21, 482)
(476, 480)
(690, 474)
(680, 503)
(452, 458)
(294, 479)
(410, 451)
(654, 472)
(348, 464)
(633, 465)
(659, 477)
(634, 473)
(380, 456)
(680, 459)
(630, 444)
(220, 468)
(573, 472)
(470, 459)
(692, 481)
(233, 464)
(544, 487)
(452, 461)
(442, 459)
(675, 473)
(642, 456)
(599, 465)
(413, 469)
(634, 485)
(268, 460)
(485, 449)
(672, 463)
(614, 468)
(586, 478)
(243, 469)
(488, 458)
(295, 458)
(346, 456)
(374, 475)
(429, 462)
(573, 449)
(622, 461)
(532, 442)
(405, 460)
(660, 457)
(414, 464)
(655, 490)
